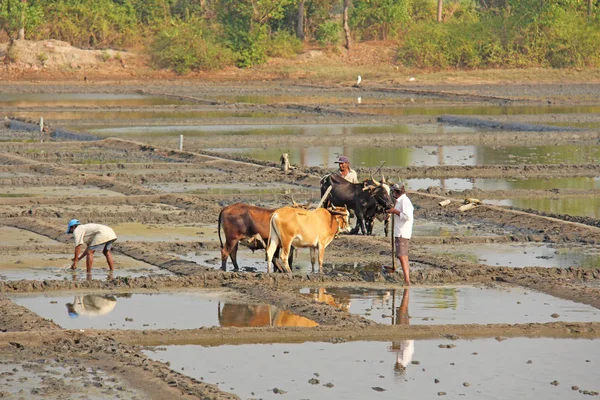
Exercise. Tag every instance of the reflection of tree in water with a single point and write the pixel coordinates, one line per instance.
(255, 315)
(441, 298)
(91, 305)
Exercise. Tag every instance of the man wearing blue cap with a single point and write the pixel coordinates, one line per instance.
(95, 237)
(345, 171)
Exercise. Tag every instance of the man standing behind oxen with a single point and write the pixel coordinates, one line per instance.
(345, 171)
(403, 224)
(95, 237)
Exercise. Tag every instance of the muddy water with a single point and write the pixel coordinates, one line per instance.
(582, 183)
(41, 379)
(114, 116)
(308, 130)
(364, 156)
(522, 255)
(43, 266)
(481, 110)
(339, 100)
(10, 236)
(483, 368)
(56, 191)
(454, 305)
(185, 310)
(580, 206)
(159, 233)
(84, 100)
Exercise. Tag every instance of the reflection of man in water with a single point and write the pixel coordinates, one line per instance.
(90, 305)
(405, 348)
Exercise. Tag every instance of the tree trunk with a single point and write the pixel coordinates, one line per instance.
(21, 35)
(346, 27)
(590, 5)
(300, 25)
(440, 5)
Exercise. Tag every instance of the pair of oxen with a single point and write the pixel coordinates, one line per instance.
(279, 230)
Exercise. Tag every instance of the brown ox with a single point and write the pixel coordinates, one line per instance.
(243, 222)
(302, 228)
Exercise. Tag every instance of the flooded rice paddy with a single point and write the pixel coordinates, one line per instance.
(453, 305)
(168, 289)
(184, 310)
(46, 266)
(482, 368)
(373, 156)
(523, 255)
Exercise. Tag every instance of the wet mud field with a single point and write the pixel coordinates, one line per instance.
(505, 297)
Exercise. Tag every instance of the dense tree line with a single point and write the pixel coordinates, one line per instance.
(204, 34)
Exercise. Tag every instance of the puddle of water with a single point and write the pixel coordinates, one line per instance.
(522, 255)
(155, 208)
(10, 236)
(279, 130)
(161, 233)
(456, 305)
(84, 100)
(579, 206)
(582, 183)
(372, 370)
(181, 310)
(340, 100)
(371, 156)
(224, 188)
(481, 110)
(56, 266)
(43, 379)
(56, 191)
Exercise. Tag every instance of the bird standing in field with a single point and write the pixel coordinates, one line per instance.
(358, 81)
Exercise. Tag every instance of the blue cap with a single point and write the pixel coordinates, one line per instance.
(72, 223)
(73, 314)
(343, 159)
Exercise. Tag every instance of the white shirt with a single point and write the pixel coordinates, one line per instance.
(403, 223)
(350, 176)
(93, 234)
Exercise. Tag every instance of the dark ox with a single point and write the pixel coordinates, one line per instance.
(365, 199)
(248, 224)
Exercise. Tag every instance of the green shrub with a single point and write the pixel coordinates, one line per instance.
(106, 55)
(188, 46)
(42, 58)
(329, 33)
(89, 23)
(379, 19)
(284, 44)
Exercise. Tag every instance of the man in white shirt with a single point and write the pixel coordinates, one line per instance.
(345, 171)
(403, 224)
(95, 237)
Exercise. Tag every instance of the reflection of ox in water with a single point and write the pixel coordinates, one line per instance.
(248, 315)
(338, 300)
(366, 199)
(247, 224)
(302, 228)
(91, 305)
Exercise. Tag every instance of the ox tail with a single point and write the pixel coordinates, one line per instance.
(219, 227)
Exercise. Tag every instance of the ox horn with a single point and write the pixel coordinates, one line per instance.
(383, 178)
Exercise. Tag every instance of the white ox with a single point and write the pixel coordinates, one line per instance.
(302, 228)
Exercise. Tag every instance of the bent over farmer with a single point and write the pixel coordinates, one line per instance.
(95, 237)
